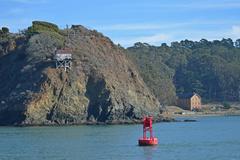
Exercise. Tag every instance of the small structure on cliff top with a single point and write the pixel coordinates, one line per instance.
(63, 58)
(189, 101)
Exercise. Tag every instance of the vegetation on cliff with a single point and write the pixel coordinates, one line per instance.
(156, 74)
(210, 68)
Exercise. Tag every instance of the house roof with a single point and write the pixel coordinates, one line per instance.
(187, 95)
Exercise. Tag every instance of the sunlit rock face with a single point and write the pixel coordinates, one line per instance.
(102, 86)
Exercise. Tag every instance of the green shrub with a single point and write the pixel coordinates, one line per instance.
(5, 30)
(42, 46)
(40, 26)
(226, 105)
(49, 29)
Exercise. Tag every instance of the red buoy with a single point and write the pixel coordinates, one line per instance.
(147, 141)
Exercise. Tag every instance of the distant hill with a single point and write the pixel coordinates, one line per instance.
(102, 86)
(210, 68)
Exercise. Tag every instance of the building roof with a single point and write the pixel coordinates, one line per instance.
(63, 54)
(187, 95)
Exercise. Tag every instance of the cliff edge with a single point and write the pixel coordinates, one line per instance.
(102, 86)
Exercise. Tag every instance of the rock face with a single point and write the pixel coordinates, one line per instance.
(102, 86)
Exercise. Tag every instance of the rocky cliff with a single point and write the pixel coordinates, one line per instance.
(102, 85)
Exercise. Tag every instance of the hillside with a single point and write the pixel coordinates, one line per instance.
(210, 68)
(102, 86)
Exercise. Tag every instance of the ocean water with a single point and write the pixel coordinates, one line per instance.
(210, 138)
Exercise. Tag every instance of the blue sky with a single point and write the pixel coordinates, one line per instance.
(130, 21)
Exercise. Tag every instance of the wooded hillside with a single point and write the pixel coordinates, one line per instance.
(210, 68)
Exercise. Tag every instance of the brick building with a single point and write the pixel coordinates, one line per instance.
(189, 101)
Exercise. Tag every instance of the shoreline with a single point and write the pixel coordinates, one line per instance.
(91, 123)
(166, 119)
(210, 109)
(206, 115)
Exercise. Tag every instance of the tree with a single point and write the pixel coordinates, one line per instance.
(5, 30)
(210, 68)
(188, 44)
(227, 42)
(237, 43)
(164, 45)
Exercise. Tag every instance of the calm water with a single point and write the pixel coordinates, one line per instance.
(211, 138)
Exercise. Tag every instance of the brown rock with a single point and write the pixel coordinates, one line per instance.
(102, 86)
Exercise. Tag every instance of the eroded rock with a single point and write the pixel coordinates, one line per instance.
(103, 86)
